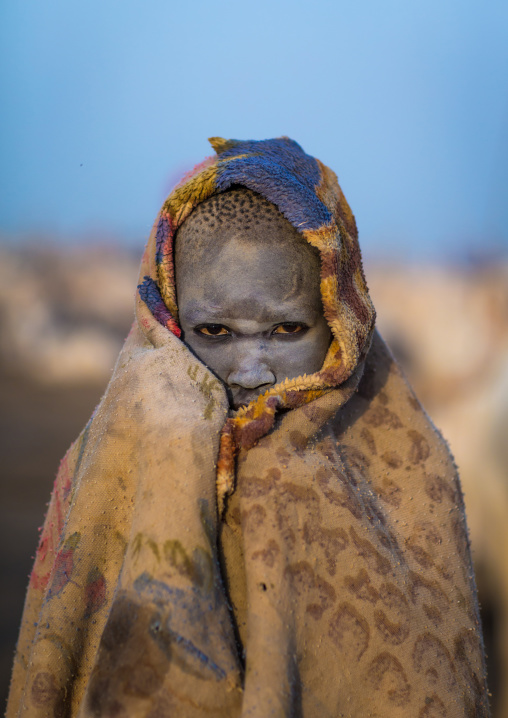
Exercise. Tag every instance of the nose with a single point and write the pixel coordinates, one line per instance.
(250, 370)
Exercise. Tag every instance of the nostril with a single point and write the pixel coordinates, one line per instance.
(250, 385)
(251, 379)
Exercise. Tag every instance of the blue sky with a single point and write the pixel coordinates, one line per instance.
(105, 103)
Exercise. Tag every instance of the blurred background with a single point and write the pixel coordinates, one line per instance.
(105, 104)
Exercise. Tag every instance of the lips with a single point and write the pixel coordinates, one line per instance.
(242, 397)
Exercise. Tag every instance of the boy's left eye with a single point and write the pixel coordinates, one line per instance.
(289, 328)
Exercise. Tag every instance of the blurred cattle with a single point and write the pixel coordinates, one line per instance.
(64, 312)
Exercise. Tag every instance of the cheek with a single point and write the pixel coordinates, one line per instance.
(214, 357)
(303, 357)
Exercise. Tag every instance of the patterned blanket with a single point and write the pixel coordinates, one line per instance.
(305, 555)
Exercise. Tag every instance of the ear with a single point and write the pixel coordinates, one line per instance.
(220, 145)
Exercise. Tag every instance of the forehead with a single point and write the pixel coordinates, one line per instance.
(246, 281)
(239, 250)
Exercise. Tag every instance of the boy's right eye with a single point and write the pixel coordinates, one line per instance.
(212, 330)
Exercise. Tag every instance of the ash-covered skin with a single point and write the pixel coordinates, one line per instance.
(248, 294)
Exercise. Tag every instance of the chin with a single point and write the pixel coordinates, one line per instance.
(239, 404)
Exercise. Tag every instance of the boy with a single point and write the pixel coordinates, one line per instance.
(303, 552)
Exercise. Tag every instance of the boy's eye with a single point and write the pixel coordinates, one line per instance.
(212, 330)
(289, 328)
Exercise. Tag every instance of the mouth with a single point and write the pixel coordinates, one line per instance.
(239, 398)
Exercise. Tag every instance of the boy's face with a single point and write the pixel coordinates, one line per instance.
(252, 313)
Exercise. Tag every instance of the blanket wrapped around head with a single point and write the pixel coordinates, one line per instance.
(306, 555)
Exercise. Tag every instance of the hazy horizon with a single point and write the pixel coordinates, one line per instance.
(106, 104)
